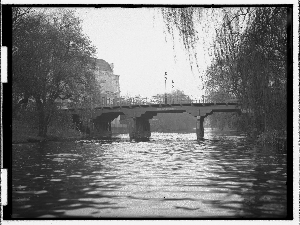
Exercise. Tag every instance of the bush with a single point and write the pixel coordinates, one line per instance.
(268, 137)
(62, 120)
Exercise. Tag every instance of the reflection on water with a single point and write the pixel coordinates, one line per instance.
(172, 175)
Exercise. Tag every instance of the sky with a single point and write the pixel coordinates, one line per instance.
(134, 40)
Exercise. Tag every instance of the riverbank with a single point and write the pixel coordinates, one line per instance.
(26, 133)
(23, 132)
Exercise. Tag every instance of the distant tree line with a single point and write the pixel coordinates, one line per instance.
(173, 122)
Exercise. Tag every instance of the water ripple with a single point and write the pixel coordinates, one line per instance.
(172, 175)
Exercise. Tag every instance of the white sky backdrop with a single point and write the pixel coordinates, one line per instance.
(134, 40)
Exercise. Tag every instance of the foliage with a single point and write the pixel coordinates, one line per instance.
(175, 96)
(249, 61)
(28, 115)
(222, 120)
(250, 64)
(51, 60)
(62, 120)
(183, 22)
(268, 137)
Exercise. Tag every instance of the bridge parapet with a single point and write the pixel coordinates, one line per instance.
(131, 102)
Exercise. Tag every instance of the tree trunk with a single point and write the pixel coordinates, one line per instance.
(42, 119)
(42, 127)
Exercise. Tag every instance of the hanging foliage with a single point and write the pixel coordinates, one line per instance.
(249, 58)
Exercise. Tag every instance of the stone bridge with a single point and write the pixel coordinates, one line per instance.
(138, 116)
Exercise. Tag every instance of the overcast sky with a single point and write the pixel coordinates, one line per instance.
(135, 43)
(133, 39)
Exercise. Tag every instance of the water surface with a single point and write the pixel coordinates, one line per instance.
(172, 175)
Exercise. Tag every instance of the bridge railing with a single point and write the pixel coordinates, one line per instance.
(168, 100)
(150, 101)
(107, 102)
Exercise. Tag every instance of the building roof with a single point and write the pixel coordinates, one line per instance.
(103, 65)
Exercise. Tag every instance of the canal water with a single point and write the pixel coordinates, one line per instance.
(172, 175)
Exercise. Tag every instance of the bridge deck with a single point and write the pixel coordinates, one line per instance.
(113, 107)
(150, 110)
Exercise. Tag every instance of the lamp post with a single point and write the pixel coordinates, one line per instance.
(165, 87)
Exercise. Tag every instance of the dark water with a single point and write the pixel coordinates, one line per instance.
(170, 176)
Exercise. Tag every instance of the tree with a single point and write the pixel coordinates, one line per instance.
(19, 16)
(250, 64)
(249, 58)
(52, 60)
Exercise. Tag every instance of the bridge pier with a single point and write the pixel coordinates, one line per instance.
(200, 127)
(139, 128)
(102, 129)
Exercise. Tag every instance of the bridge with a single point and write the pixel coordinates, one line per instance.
(138, 114)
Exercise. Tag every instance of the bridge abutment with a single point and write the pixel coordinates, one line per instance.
(101, 129)
(139, 128)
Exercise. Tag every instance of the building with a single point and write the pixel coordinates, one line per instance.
(109, 88)
(107, 81)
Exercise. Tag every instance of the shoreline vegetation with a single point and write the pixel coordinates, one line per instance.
(26, 133)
